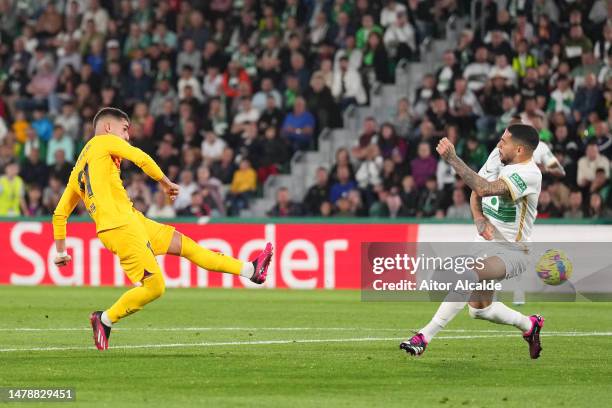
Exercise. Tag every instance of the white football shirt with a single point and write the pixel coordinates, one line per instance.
(514, 216)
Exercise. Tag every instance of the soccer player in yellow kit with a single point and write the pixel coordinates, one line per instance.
(125, 231)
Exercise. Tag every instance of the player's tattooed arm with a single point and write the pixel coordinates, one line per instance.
(478, 184)
(483, 226)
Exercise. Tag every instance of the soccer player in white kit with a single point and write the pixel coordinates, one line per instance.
(546, 161)
(504, 205)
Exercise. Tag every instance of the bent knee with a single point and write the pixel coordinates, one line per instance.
(478, 310)
(155, 284)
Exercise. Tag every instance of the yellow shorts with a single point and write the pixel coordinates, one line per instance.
(137, 243)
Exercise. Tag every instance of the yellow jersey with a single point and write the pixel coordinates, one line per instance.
(96, 180)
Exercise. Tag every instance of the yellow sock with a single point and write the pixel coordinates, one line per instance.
(207, 259)
(134, 299)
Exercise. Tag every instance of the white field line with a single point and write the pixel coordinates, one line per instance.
(280, 329)
(291, 341)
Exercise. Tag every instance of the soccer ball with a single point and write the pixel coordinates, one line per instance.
(554, 267)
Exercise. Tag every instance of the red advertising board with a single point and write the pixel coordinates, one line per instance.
(307, 256)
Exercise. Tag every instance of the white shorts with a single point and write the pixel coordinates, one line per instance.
(516, 258)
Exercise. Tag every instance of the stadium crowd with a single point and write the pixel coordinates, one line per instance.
(222, 93)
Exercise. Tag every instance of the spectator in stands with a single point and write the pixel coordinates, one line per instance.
(492, 102)
(369, 172)
(160, 208)
(267, 89)
(139, 87)
(273, 154)
(546, 206)
(367, 26)
(475, 154)
(400, 38)
(409, 196)
(271, 116)
(61, 168)
(523, 59)
(347, 85)
(42, 125)
(244, 183)
(187, 188)
(224, 169)
(424, 166)
(430, 200)
(12, 192)
(390, 142)
(284, 207)
(322, 105)
(138, 189)
(33, 202)
(298, 126)
(60, 141)
(576, 44)
(391, 178)
(197, 206)
(588, 99)
(318, 193)
(343, 185)
(588, 165)
(403, 119)
(562, 98)
(69, 120)
(603, 139)
(448, 73)
(503, 69)
(464, 106)
(213, 185)
(212, 147)
(478, 71)
(460, 208)
(574, 210)
(376, 60)
(33, 170)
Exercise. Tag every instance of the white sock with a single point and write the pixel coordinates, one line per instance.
(105, 319)
(247, 270)
(497, 312)
(454, 302)
(446, 312)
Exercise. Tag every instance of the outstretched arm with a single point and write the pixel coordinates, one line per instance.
(120, 148)
(478, 184)
(555, 168)
(65, 206)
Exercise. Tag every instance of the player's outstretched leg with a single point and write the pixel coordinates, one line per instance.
(153, 286)
(532, 336)
(453, 303)
(415, 346)
(256, 270)
(499, 313)
(101, 332)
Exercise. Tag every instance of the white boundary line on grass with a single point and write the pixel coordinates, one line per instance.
(280, 329)
(294, 341)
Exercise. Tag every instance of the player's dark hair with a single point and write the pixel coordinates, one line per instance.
(516, 120)
(112, 112)
(525, 135)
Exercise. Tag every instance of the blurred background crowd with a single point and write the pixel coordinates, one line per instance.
(222, 93)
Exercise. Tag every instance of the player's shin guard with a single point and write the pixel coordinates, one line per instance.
(207, 259)
(454, 302)
(499, 313)
(134, 299)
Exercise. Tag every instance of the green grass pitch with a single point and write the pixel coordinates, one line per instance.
(205, 347)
